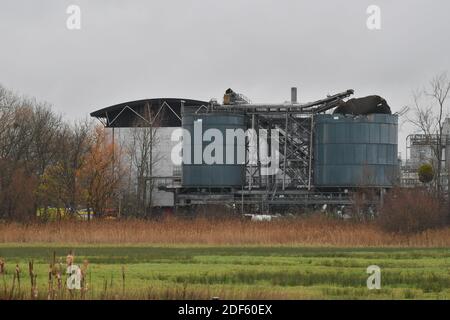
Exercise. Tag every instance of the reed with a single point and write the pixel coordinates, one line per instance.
(314, 231)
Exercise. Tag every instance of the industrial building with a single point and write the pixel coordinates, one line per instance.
(421, 149)
(296, 155)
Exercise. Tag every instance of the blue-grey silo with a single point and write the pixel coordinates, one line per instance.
(230, 172)
(355, 151)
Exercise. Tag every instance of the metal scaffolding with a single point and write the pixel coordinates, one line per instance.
(290, 187)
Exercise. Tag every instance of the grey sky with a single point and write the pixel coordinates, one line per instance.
(129, 50)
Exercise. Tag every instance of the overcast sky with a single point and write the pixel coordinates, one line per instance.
(128, 50)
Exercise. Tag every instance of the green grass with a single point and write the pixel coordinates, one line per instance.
(167, 272)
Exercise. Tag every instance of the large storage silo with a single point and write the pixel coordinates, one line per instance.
(203, 175)
(355, 151)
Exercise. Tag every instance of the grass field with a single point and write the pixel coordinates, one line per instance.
(304, 258)
(240, 272)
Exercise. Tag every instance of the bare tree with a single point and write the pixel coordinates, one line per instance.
(27, 146)
(143, 158)
(76, 141)
(428, 117)
(440, 87)
(59, 185)
(45, 128)
(46, 162)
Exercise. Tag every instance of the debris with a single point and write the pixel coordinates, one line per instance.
(363, 106)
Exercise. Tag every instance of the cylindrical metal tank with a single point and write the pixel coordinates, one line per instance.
(356, 151)
(229, 169)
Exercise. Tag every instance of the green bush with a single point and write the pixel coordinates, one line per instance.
(426, 173)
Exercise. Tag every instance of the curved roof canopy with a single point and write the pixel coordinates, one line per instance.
(161, 112)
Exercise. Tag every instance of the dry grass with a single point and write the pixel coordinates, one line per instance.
(170, 292)
(306, 231)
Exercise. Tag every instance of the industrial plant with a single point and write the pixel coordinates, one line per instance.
(322, 155)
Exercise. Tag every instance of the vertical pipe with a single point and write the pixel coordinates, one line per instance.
(113, 151)
(269, 150)
(175, 200)
(293, 95)
(258, 162)
(150, 202)
(113, 164)
(182, 108)
(311, 152)
(285, 150)
(242, 200)
(251, 164)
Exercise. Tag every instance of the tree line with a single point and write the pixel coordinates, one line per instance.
(48, 164)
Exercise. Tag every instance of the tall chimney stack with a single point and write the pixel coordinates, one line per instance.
(294, 95)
